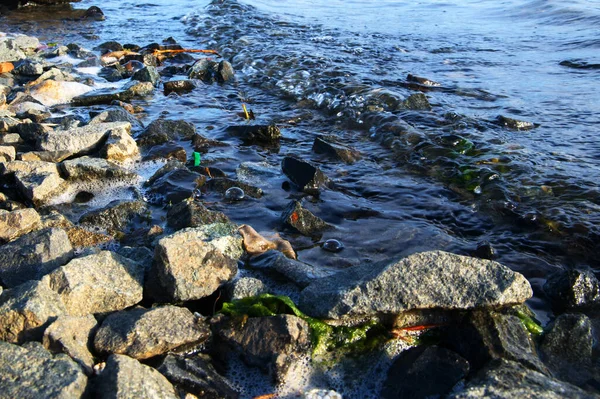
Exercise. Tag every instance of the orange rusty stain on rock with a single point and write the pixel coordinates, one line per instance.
(295, 217)
(6, 67)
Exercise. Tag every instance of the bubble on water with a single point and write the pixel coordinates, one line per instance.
(197, 194)
(332, 245)
(234, 194)
(477, 190)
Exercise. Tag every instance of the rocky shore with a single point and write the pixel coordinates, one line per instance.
(161, 295)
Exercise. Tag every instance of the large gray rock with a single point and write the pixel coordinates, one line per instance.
(17, 223)
(125, 378)
(34, 255)
(97, 283)
(26, 310)
(40, 188)
(425, 280)
(27, 167)
(107, 96)
(144, 333)
(190, 213)
(163, 130)
(32, 372)
(72, 336)
(10, 51)
(504, 379)
(92, 169)
(188, 266)
(52, 92)
(81, 140)
(119, 147)
(115, 216)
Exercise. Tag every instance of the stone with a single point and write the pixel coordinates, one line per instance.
(34, 255)
(190, 213)
(245, 287)
(174, 186)
(28, 68)
(124, 377)
(210, 71)
(40, 188)
(7, 153)
(26, 311)
(515, 124)
(145, 333)
(417, 102)
(98, 283)
(268, 135)
(88, 169)
(119, 147)
(141, 255)
(72, 336)
(505, 379)
(10, 51)
(32, 132)
(52, 92)
(147, 74)
(225, 72)
(424, 372)
(17, 223)
(106, 96)
(81, 140)
(426, 280)
(115, 216)
(168, 150)
(178, 86)
(327, 146)
(142, 237)
(222, 184)
(256, 244)
(82, 238)
(115, 114)
(28, 167)
(31, 371)
(302, 220)
(197, 376)
(305, 176)
(187, 267)
(573, 289)
(163, 130)
(272, 343)
(300, 273)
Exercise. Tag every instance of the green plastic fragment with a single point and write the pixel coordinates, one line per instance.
(531, 326)
(196, 158)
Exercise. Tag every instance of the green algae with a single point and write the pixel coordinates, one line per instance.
(530, 324)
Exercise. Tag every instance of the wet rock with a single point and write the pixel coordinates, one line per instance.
(305, 176)
(245, 287)
(417, 102)
(124, 377)
(484, 250)
(141, 255)
(424, 372)
(579, 64)
(256, 244)
(115, 114)
(190, 213)
(31, 371)
(178, 86)
(111, 74)
(573, 289)
(271, 343)
(302, 220)
(17, 223)
(52, 92)
(83, 238)
(421, 80)
(222, 184)
(168, 150)
(115, 216)
(187, 266)
(210, 71)
(514, 123)
(174, 186)
(26, 310)
(40, 188)
(7, 153)
(163, 130)
(257, 134)
(143, 237)
(33, 255)
(109, 46)
(144, 333)
(196, 375)
(302, 274)
(81, 140)
(326, 145)
(171, 165)
(147, 74)
(89, 169)
(106, 96)
(425, 280)
(28, 68)
(97, 283)
(72, 336)
(567, 349)
(504, 379)
(119, 147)
(35, 115)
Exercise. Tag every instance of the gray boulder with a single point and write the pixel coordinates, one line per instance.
(125, 378)
(425, 280)
(147, 74)
(245, 287)
(72, 336)
(89, 169)
(17, 223)
(40, 188)
(119, 147)
(34, 255)
(163, 130)
(81, 140)
(190, 213)
(115, 216)
(107, 96)
(32, 372)
(144, 333)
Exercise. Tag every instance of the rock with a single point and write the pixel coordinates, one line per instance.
(504, 379)
(97, 283)
(163, 130)
(305, 176)
(424, 280)
(119, 147)
(40, 188)
(190, 213)
(52, 92)
(89, 169)
(417, 102)
(225, 72)
(326, 145)
(168, 150)
(222, 184)
(174, 186)
(115, 114)
(257, 134)
(196, 375)
(302, 220)
(53, 74)
(72, 336)
(112, 74)
(81, 140)
(424, 372)
(141, 255)
(147, 74)
(172, 164)
(271, 343)
(115, 216)
(245, 287)
(256, 244)
(210, 71)
(257, 173)
(142, 237)
(187, 267)
(32, 372)
(17, 223)
(26, 168)
(144, 333)
(26, 310)
(515, 124)
(28, 68)
(302, 274)
(573, 289)
(34, 255)
(178, 86)
(125, 377)
(32, 132)
(10, 51)
(567, 349)
(106, 96)
(422, 81)
(7, 153)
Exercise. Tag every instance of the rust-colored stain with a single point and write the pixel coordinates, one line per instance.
(6, 67)
(295, 217)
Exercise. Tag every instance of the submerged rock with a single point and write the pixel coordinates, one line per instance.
(302, 220)
(425, 280)
(174, 186)
(163, 130)
(222, 184)
(326, 145)
(178, 86)
(257, 134)
(514, 123)
(305, 176)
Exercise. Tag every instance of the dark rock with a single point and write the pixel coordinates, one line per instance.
(302, 274)
(163, 130)
(514, 123)
(34, 255)
(106, 96)
(225, 72)
(109, 46)
(32, 372)
(174, 186)
(115, 114)
(124, 377)
(222, 184)
(28, 68)
(190, 213)
(579, 64)
(141, 255)
(417, 102)
(573, 289)
(178, 86)
(31, 132)
(171, 165)
(146, 59)
(257, 134)
(424, 372)
(111, 74)
(326, 145)
(271, 343)
(147, 74)
(244, 287)
(115, 216)
(302, 220)
(197, 376)
(484, 250)
(210, 71)
(168, 150)
(421, 80)
(305, 176)
(144, 333)
(203, 144)
(424, 280)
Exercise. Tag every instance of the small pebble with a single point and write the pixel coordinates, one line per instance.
(332, 245)
(234, 194)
